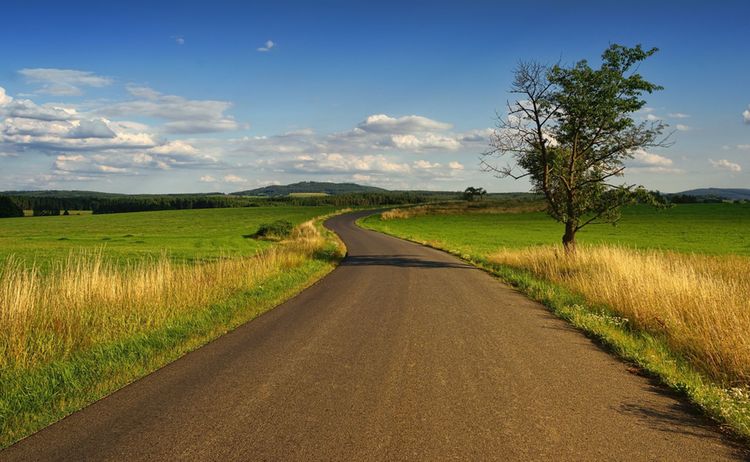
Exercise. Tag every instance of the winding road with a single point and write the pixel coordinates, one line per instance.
(401, 353)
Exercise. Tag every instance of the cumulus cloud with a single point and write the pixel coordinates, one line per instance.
(678, 115)
(178, 39)
(643, 157)
(233, 179)
(63, 82)
(724, 164)
(182, 115)
(268, 46)
(87, 146)
(418, 142)
(91, 128)
(746, 115)
(207, 179)
(648, 162)
(682, 127)
(4, 98)
(381, 123)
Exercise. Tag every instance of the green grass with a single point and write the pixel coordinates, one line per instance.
(699, 228)
(185, 234)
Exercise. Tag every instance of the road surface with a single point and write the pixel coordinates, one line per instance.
(401, 353)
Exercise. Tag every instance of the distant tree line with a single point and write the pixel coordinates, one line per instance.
(688, 199)
(9, 208)
(151, 203)
(168, 202)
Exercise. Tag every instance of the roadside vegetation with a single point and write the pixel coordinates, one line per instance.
(665, 289)
(88, 324)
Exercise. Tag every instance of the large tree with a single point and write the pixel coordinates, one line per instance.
(571, 129)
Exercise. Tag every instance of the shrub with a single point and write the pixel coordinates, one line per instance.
(278, 229)
(8, 208)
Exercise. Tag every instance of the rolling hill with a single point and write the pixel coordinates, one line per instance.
(309, 187)
(723, 193)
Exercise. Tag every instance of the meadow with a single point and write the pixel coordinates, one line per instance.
(666, 289)
(124, 294)
(190, 235)
(716, 229)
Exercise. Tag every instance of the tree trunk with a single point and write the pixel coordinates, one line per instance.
(569, 238)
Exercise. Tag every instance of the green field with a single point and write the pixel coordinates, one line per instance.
(185, 234)
(699, 228)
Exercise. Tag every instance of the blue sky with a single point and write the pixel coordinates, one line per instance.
(223, 96)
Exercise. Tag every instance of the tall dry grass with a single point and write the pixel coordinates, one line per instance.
(459, 208)
(700, 304)
(87, 300)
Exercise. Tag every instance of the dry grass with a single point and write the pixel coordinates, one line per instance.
(699, 304)
(460, 208)
(87, 301)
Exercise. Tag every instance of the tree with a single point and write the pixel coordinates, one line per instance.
(570, 132)
(471, 192)
(8, 208)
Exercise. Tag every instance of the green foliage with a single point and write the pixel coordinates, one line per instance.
(278, 229)
(9, 209)
(471, 193)
(571, 132)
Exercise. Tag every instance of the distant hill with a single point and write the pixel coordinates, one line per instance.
(723, 193)
(310, 187)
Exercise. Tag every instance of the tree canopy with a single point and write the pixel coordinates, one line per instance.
(570, 131)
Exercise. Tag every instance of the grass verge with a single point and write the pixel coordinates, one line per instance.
(70, 358)
(726, 399)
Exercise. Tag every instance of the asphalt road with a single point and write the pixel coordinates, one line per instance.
(401, 353)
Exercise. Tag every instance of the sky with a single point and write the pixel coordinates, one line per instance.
(158, 97)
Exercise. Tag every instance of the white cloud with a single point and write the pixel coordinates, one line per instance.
(455, 165)
(679, 115)
(4, 98)
(746, 115)
(381, 123)
(89, 145)
(178, 39)
(266, 46)
(233, 179)
(182, 115)
(207, 179)
(91, 128)
(642, 157)
(724, 164)
(682, 127)
(424, 141)
(425, 164)
(652, 117)
(63, 82)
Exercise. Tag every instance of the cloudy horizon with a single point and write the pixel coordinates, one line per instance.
(201, 109)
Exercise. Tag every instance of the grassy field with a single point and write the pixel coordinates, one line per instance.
(665, 289)
(92, 322)
(718, 229)
(186, 234)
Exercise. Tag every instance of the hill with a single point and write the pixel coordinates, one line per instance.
(722, 193)
(310, 187)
